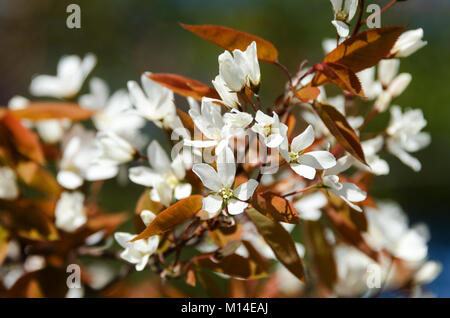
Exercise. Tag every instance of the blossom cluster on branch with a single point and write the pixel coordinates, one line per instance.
(273, 196)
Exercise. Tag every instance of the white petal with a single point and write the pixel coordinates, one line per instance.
(124, 238)
(69, 180)
(352, 193)
(143, 176)
(236, 207)
(274, 140)
(208, 176)
(387, 69)
(342, 28)
(212, 203)
(246, 190)
(304, 140)
(226, 167)
(158, 157)
(304, 171)
(318, 159)
(182, 191)
(147, 217)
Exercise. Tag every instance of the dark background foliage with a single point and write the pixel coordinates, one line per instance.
(132, 36)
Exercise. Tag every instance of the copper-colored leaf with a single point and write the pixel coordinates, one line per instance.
(363, 50)
(342, 76)
(186, 120)
(280, 241)
(235, 266)
(31, 219)
(275, 207)
(172, 216)
(308, 93)
(231, 39)
(184, 86)
(38, 178)
(26, 141)
(339, 127)
(320, 253)
(350, 232)
(53, 110)
(4, 243)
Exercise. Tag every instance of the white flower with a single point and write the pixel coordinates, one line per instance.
(165, 176)
(8, 184)
(113, 148)
(405, 136)
(70, 213)
(408, 43)
(344, 11)
(328, 45)
(113, 112)
(138, 252)
(221, 183)
(347, 191)
(309, 206)
(211, 124)
(240, 69)
(306, 163)
(393, 85)
(71, 73)
(388, 228)
(352, 271)
(376, 165)
(270, 129)
(228, 97)
(156, 105)
(80, 151)
(50, 130)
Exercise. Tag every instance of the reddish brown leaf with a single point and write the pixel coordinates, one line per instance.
(342, 76)
(234, 265)
(275, 207)
(53, 110)
(308, 93)
(184, 86)
(350, 232)
(363, 50)
(339, 127)
(172, 216)
(320, 253)
(231, 39)
(38, 178)
(280, 241)
(26, 142)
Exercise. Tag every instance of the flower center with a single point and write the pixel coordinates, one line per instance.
(267, 130)
(294, 156)
(341, 15)
(226, 193)
(172, 180)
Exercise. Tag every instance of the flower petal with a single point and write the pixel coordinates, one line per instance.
(246, 190)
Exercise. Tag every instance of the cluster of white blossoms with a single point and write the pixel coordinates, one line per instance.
(313, 165)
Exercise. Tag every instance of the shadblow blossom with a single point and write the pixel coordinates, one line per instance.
(166, 177)
(272, 131)
(70, 212)
(305, 163)
(71, 73)
(138, 252)
(405, 135)
(221, 182)
(344, 11)
(240, 69)
(408, 43)
(154, 103)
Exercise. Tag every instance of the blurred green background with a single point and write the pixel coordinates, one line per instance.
(130, 36)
